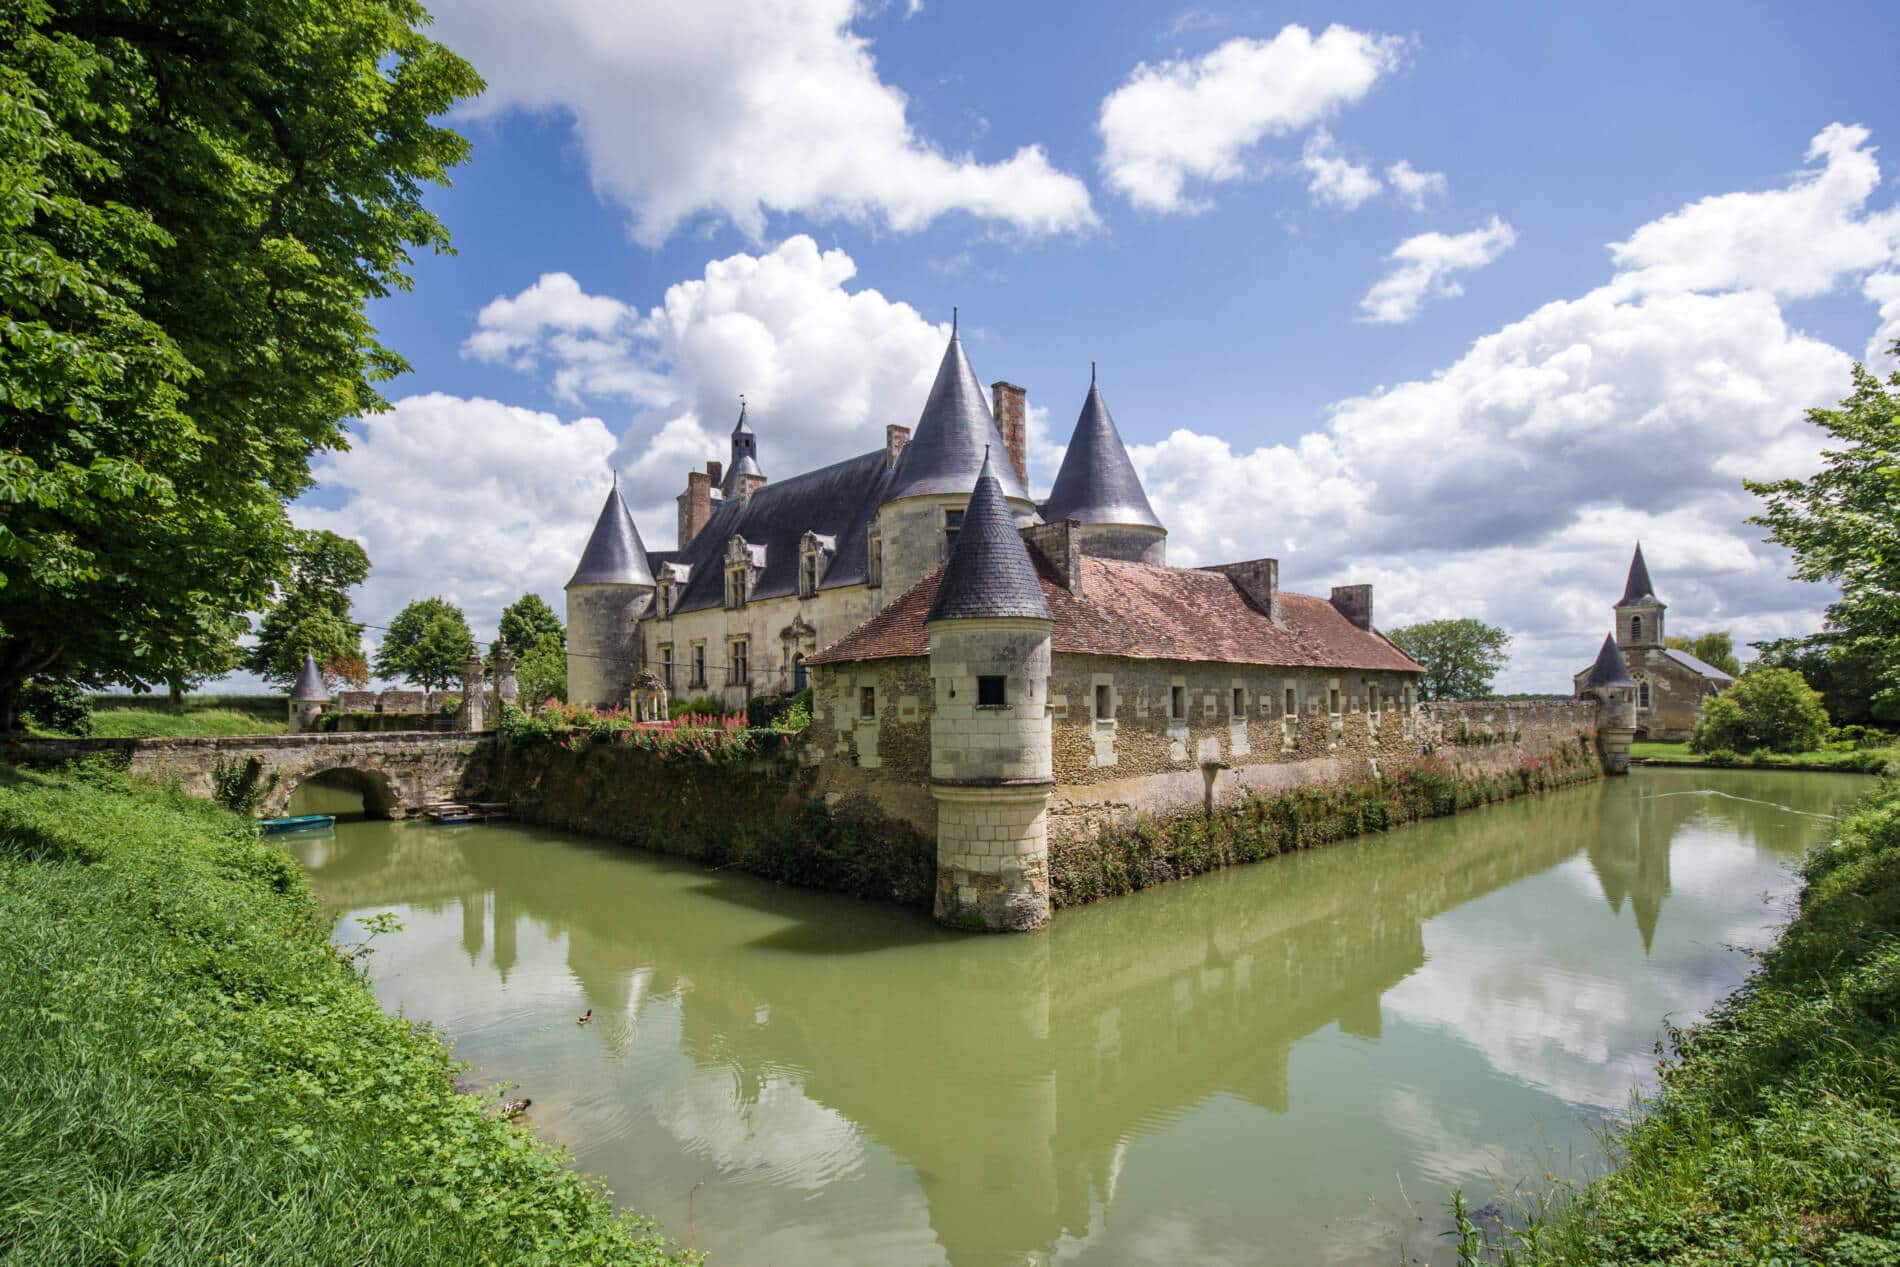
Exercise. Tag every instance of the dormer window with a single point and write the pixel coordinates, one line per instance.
(952, 524)
(814, 554)
(743, 564)
(663, 598)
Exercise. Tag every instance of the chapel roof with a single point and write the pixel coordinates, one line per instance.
(1637, 590)
(1610, 668)
(309, 685)
(1096, 483)
(1703, 667)
(615, 554)
(946, 447)
(1142, 611)
(989, 572)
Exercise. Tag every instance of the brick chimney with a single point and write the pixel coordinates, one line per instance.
(1354, 603)
(1007, 404)
(715, 469)
(1060, 545)
(896, 436)
(1258, 581)
(696, 503)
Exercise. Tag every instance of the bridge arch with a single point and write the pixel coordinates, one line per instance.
(381, 797)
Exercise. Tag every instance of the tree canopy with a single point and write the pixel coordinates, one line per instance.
(1766, 708)
(427, 644)
(542, 674)
(312, 611)
(196, 202)
(527, 621)
(1843, 525)
(1717, 648)
(1461, 657)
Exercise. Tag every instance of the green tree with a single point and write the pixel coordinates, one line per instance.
(1717, 648)
(312, 611)
(527, 621)
(197, 199)
(1845, 676)
(542, 674)
(1843, 525)
(1774, 709)
(427, 644)
(1461, 657)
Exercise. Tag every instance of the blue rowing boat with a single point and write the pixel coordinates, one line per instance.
(298, 822)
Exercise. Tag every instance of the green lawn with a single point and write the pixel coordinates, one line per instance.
(1832, 756)
(153, 717)
(193, 1074)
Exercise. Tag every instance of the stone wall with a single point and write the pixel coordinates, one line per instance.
(885, 756)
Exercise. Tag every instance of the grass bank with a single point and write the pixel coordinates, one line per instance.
(1154, 851)
(1842, 758)
(193, 1074)
(1775, 1136)
(153, 717)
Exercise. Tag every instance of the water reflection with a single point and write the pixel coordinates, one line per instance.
(1266, 1065)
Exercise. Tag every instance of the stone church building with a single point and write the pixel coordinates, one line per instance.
(983, 664)
(1669, 685)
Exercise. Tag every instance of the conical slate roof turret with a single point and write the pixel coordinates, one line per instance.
(947, 447)
(615, 554)
(744, 456)
(1637, 591)
(1610, 668)
(989, 573)
(309, 687)
(1097, 483)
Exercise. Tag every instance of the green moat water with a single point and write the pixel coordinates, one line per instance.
(1286, 1063)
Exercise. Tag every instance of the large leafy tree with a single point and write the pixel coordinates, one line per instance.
(1461, 657)
(1843, 525)
(1774, 709)
(427, 643)
(528, 621)
(312, 611)
(196, 201)
(1717, 648)
(1846, 678)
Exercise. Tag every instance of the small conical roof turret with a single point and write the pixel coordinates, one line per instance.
(990, 572)
(1610, 668)
(615, 554)
(309, 688)
(1097, 483)
(953, 433)
(745, 454)
(1637, 590)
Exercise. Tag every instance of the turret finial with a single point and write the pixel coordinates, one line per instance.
(1091, 373)
(953, 321)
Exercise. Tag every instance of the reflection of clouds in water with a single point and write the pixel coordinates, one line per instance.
(779, 1134)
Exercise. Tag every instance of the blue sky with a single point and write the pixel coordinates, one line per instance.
(1202, 199)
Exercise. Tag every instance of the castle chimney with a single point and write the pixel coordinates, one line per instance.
(896, 436)
(696, 503)
(1258, 581)
(1354, 603)
(715, 469)
(1007, 404)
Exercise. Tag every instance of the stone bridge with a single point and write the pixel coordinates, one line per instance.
(398, 772)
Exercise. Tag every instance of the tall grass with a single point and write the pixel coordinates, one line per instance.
(192, 1074)
(1775, 1136)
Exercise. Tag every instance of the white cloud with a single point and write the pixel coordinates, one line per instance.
(1197, 119)
(1423, 267)
(1883, 290)
(470, 499)
(1414, 187)
(1333, 179)
(737, 110)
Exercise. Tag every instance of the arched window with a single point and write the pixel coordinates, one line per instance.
(1642, 695)
(1636, 633)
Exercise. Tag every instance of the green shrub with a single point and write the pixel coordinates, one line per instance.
(194, 1074)
(57, 706)
(1773, 709)
(702, 705)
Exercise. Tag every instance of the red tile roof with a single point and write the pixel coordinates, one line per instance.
(1143, 612)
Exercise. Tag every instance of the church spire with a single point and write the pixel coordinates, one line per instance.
(1637, 590)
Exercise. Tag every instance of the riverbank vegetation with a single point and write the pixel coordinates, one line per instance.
(1846, 756)
(194, 1074)
(1151, 851)
(1775, 1136)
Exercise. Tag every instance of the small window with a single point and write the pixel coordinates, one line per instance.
(1636, 628)
(1332, 701)
(1292, 703)
(666, 665)
(1104, 702)
(867, 701)
(1240, 702)
(874, 561)
(992, 692)
(699, 664)
(952, 524)
(1177, 703)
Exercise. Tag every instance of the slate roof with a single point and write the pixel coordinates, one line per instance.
(1703, 667)
(1142, 612)
(615, 554)
(839, 500)
(309, 682)
(946, 447)
(1637, 590)
(745, 447)
(1097, 483)
(989, 572)
(1610, 669)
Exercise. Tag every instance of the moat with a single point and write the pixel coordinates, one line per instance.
(1287, 1062)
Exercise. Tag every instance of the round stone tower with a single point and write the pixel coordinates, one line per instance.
(609, 592)
(990, 742)
(1097, 486)
(931, 484)
(1610, 685)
